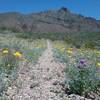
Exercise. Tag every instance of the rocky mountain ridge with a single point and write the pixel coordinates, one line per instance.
(57, 21)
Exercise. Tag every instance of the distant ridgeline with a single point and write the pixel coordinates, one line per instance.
(58, 21)
(58, 24)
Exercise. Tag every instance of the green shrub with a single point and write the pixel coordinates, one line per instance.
(24, 35)
(32, 55)
(90, 45)
(9, 64)
(3, 28)
(69, 40)
(9, 60)
(61, 56)
(82, 77)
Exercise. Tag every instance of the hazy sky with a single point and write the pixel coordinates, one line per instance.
(85, 7)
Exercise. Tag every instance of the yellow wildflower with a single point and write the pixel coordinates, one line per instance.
(17, 54)
(69, 51)
(97, 52)
(98, 64)
(5, 51)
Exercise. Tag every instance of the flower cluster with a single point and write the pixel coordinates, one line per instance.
(5, 51)
(70, 50)
(17, 54)
(10, 58)
(83, 67)
(82, 63)
(98, 64)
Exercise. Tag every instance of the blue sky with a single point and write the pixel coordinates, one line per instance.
(85, 7)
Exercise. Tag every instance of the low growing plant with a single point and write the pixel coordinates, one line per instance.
(32, 55)
(9, 63)
(9, 59)
(82, 77)
(61, 56)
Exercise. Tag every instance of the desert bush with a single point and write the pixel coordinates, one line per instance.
(69, 40)
(3, 28)
(51, 36)
(11, 43)
(90, 45)
(4, 82)
(32, 55)
(82, 77)
(10, 59)
(61, 56)
(24, 35)
(9, 64)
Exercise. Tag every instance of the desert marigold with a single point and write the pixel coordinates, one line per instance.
(70, 48)
(97, 52)
(98, 64)
(5, 51)
(69, 51)
(17, 54)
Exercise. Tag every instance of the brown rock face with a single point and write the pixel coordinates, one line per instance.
(58, 21)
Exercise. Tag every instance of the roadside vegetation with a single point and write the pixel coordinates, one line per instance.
(80, 53)
(82, 68)
(13, 53)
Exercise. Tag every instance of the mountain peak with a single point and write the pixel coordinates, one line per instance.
(57, 21)
(64, 9)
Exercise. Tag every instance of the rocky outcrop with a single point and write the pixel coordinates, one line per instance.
(57, 21)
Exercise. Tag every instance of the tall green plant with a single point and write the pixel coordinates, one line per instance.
(82, 77)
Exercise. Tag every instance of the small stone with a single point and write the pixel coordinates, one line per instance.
(35, 84)
(47, 78)
(58, 74)
(56, 82)
(82, 98)
(56, 89)
(74, 97)
(50, 99)
(92, 96)
(10, 91)
(61, 95)
(48, 69)
(32, 77)
(62, 84)
(9, 88)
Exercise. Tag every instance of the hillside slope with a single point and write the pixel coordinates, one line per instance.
(58, 21)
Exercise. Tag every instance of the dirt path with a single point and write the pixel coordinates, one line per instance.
(42, 81)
